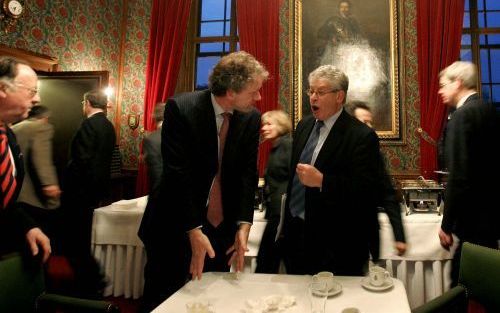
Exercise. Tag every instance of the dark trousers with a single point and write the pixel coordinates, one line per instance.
(168, 260)
(270, 251)
(75, 231)
(294, 254)
(306, 257)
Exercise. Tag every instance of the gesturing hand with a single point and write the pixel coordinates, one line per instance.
(200, 246)
(239, 247)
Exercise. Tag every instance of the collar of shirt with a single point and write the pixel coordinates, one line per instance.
(218, 110)
(323, 133)
(464, 98)
(94, 113)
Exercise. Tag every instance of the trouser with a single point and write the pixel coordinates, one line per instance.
(167, 267)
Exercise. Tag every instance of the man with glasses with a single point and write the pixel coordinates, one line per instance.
(18, 94)
(331, 208)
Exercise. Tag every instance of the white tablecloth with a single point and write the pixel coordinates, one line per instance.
(120, 252)
(229, 295)
(117, 247)
(425, 268)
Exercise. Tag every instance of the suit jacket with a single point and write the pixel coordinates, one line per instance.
(471, 155)
(276, 176)
(89, 168)
(190, 161)
(35, 139)
(152, 156)
(14, 223)
(340, 221)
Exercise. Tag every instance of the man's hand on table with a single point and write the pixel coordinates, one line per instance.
(200, 246)
(239, 247)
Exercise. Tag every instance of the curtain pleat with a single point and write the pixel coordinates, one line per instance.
(169, 20)
(439, 32)
(258, 27)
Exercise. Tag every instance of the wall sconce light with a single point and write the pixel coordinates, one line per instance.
(133, 120)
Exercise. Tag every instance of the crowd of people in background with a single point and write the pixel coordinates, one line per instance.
(202, 169)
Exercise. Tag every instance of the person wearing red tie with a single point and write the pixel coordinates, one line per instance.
(18, 93)
(199, 218)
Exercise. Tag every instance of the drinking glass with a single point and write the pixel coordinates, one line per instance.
(317, 292)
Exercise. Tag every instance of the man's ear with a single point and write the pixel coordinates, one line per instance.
(341, 96)
(3, 89)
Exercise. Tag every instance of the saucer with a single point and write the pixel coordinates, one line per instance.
(365, 282)
(335, 290)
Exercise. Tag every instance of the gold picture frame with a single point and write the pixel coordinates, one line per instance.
(369, 54)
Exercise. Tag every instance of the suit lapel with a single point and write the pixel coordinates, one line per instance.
(301, 139)
(333, 140)
(207, 128)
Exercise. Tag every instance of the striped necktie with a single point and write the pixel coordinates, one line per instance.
(8, 185)
(214, 213)
(297, 198)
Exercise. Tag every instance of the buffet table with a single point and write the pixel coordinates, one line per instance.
(229, 293)
(425, 268)
(121, 254)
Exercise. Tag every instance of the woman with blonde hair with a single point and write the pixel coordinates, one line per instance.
(276, 127)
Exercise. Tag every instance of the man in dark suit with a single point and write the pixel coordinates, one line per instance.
(18, 93)
(388, 200)
(331, 209)
(471, 209)
(86, 184)
(152, 149)
(39, 196)
(200, 216)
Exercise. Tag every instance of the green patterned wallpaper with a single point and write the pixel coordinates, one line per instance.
(86, 36)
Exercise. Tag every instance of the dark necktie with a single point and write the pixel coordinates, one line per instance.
(297, 199)
(214, 213)
(8, 181)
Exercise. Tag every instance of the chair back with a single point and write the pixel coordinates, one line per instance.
(480, 275)
(21, 282)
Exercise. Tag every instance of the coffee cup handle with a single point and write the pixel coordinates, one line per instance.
(315, 278)
(386, 276)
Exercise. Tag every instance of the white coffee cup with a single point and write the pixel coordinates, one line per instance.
(324, 277)
(378, 276)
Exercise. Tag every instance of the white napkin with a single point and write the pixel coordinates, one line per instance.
(125, 204)
(268, 304)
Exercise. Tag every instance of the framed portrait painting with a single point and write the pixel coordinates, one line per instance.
(360, 38)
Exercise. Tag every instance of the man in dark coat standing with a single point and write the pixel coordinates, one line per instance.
(86, 184)
(471, 207)
(331, 209)
(199, 218)
(18, 93)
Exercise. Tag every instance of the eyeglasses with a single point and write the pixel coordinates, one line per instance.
(320, 93)
(32, 91)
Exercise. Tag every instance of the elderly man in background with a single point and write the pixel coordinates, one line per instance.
(40, 192)
(471, 207)
(152, 149)
(87, 182)
(18, 93)
(331, 210)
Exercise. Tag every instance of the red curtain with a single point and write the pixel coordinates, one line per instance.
(258, 27)
(167, 33)
(439, 31)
